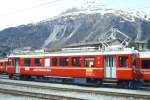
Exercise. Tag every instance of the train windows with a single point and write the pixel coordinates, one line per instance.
(89, 61)
(27, 62)
(76, 61)
(54, 61)
(37, 62)
(64, 61)
(146, 64)
(123, 61)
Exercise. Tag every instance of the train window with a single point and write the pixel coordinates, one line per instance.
(123, 61)
(47, 62)
(9, 63)
(1, 64)
(27, 62)
(64, 61)
(76, 61)
(54, 61)
(146, 64)
(37, 62)
(89, 61)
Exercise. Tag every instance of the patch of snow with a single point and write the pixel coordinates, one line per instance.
(73, 32)
(92, 7)
(52, 36)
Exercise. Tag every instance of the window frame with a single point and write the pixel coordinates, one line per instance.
(80, 61)
(94, 61)
(25, 62)
(39, 62)
(45, 62)
(52, 64)
(61, 64)
(142, 63)
(121, 63)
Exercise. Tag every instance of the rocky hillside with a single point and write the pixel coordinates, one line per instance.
(76, 25)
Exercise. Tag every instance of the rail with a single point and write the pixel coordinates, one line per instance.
(70, 92)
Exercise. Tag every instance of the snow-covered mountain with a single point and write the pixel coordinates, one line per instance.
(92, 7)
(79, 24)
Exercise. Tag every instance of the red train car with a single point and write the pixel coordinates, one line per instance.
(144, 63)
(94, 66)
(3, 64)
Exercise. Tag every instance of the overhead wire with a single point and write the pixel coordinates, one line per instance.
(37, 6)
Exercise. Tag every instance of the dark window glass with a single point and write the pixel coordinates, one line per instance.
(9, 63)
(1, 64)
(123, 61)
(89, 61)
(64, 61)
(37, 62)
(27, 62)
(146, 64)
(54, 61)
(76, 61)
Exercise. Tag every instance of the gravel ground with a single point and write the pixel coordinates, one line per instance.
(87, 96)
(16, 97)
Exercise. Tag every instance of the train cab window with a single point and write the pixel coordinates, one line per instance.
(1, 64)
(89, 61)
(146, 64)
(64, 61)
(27, 62)
(54, 61)
(123, 61)
(76, 61)
(37, 62)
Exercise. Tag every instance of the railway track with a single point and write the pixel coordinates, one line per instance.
(66, 92)
(36, 95)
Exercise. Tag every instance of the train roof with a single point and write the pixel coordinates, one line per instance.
(73, 53)
(145, 54)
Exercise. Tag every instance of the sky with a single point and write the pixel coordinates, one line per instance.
(18, 12)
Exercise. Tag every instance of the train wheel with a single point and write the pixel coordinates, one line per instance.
(128, 84)
(123, 84)
(93, 81)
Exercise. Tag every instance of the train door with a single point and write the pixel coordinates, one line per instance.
(17, 65)
(110, 66)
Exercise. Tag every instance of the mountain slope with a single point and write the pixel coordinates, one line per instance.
(76, 25)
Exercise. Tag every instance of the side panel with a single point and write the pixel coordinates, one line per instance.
(145, 70)
(125, 71)
(66, 71)
(10, 69)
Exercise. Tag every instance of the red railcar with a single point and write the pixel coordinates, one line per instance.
(144, 63)
(94, 66)
(3, 64)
